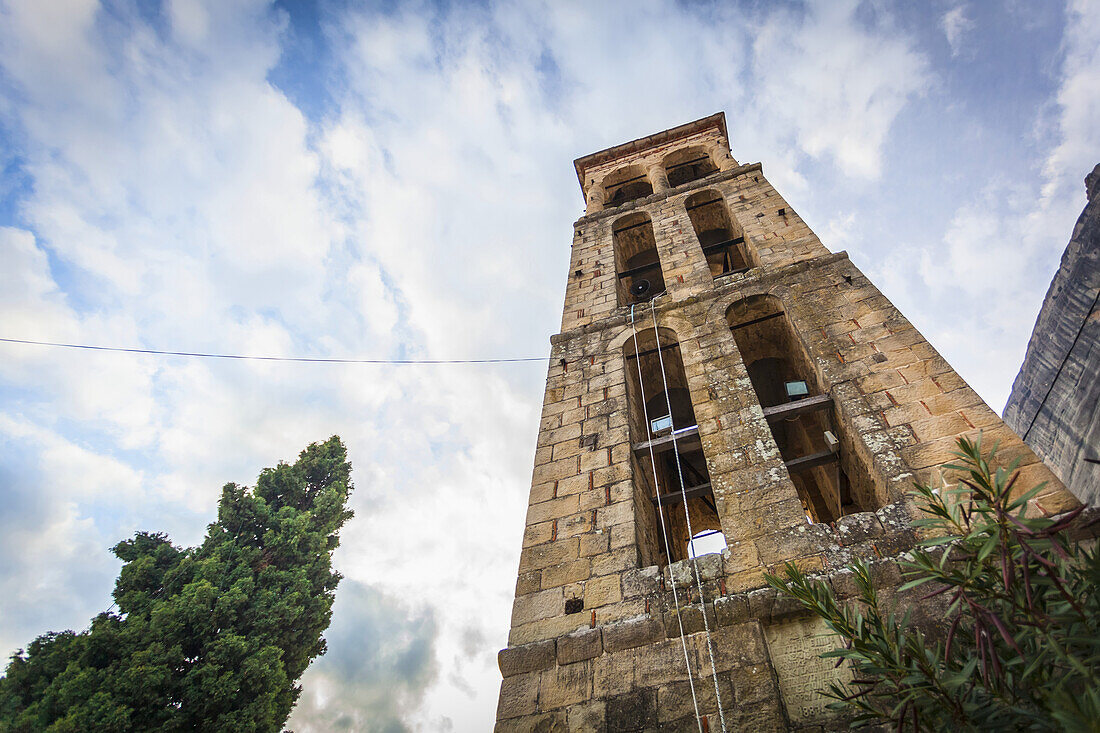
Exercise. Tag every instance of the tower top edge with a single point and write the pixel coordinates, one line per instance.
(716, 120)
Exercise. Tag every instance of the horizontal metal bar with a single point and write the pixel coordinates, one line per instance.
(688, 436)
(652, 351)
(798, 407)
(705, 203)
(694, 491)
(636, 270)
(805, 463)
(690, 162)
(722, 245)
(632, 226)
(754, 321)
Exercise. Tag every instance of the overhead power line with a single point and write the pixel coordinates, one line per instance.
(247, 357)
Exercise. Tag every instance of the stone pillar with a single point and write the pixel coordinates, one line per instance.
(595, 197)
(721, 157)
(658, 178)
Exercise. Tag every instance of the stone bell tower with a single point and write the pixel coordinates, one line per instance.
(725, 395)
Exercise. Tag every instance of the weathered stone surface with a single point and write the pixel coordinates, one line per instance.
(635, 711)
(564, 685)
(674, 700)
(518, 695)
(633, 632)
(588, 718)
(580, 645)
(734, 646)
(690, 618)
(795, 648)
(613, 674)
(640, 582)
(1055, 400)
(601, 591)
(526, 658)
(731, 610)
(853, 528)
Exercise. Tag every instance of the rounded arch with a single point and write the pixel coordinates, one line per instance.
(688, 164)
(626, 184)
(827, 466)
(659, 403)
(637, 263)
(720, 235)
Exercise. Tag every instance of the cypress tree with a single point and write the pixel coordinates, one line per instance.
(213, 637)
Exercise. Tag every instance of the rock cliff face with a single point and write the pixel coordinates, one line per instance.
(1055, 400)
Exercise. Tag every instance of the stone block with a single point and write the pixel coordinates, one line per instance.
(593, 543)
(565, 685)
(588, 718)
(612, 674)
(640, 582)
(535, 606)
(754, 684)
(602, 591)
(740, 556)
(630, 633)
(528, 582)
(569, 572)
(526, 658)
(554, 509)
(734, 646)
(616, 561)
(634, 711)
(853, 528)
(691, 617)
(730, 610)
(539, 723)
(518, 695)
(674, 700)
(580, 645)
(553, 553)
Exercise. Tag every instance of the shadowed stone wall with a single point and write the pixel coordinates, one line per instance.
(1055, 400)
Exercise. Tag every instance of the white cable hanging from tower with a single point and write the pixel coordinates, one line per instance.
(661, 513)
(687, 519)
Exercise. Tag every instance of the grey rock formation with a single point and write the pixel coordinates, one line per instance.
(1055, 400)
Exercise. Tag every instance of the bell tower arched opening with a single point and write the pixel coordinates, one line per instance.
(687, 165)
(626, 184)
(666, 447)
(636, 260)
(829, 474)
(718, 233)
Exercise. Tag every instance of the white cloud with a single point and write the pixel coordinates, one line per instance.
(955, 26)
(833, 84)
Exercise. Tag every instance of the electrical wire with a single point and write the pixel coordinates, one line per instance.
(246, 357)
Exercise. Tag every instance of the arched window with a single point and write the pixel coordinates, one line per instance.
(626, 184)
(652, 431)
(688, 164)
(830, 476)
(636, 260)
(719, 235)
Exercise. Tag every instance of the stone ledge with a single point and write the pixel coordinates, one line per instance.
(580, 645)
(526, 658)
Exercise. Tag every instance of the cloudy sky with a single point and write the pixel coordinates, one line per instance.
(394, 180)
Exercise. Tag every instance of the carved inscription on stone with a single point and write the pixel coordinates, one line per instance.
(795, 647)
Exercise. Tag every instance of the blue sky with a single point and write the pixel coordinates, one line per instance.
(395, 180)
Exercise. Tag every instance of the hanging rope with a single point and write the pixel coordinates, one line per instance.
(661, 514)
(687, 519)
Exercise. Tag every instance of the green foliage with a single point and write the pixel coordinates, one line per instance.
(209, 638)
(1019, 648)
